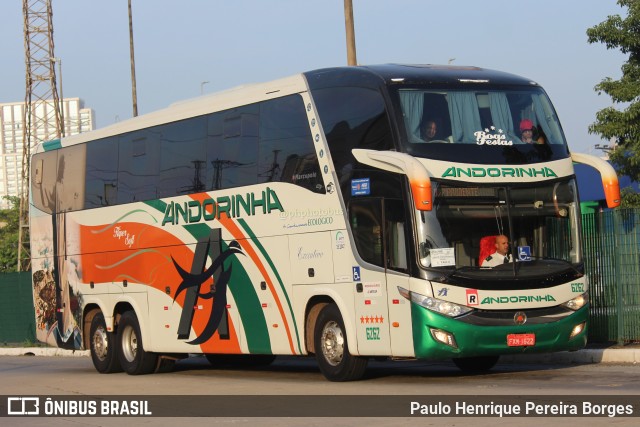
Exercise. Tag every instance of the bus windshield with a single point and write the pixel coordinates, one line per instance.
(540, 222)
(500, 126)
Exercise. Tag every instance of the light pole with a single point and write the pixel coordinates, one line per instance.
(134, 90)
(201, 87)
(350, 32)
(62, 125)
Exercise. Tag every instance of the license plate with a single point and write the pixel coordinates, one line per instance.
(521, 340)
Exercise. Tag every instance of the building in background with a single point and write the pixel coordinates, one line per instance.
(77, 119)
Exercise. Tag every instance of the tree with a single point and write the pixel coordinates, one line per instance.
(9, 226)
(622, 124)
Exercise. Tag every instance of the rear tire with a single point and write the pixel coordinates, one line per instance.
(103, 346)
(332, 348)
(133, 358)
(476, 364)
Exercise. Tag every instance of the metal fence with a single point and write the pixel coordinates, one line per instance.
(17, 316)
(612, 260)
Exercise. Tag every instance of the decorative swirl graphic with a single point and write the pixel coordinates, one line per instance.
(192, 282)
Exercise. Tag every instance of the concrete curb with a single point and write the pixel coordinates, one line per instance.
(601, 355)
(608, 355)
(41, 351)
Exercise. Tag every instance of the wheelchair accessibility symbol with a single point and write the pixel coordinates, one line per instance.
(524, 253)
(356, 273)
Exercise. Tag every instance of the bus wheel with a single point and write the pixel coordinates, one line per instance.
(476, 364)
(332, 348)
(104, 351)
(133, 358)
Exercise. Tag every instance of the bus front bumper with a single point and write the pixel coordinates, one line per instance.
(473, 340)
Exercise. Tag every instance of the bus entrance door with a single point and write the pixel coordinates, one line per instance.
(371, 310)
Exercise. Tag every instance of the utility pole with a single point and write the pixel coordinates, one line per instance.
(351, 35)
(134, 93)
(42, 117)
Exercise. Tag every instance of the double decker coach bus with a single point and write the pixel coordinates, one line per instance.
(312, 216)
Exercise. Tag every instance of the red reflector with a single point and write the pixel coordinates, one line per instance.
(367, 302)
(396, 301)
(166, 308)
(264, 305)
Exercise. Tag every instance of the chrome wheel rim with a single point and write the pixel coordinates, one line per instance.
(100, 343)
(129, 343)
(332, 343)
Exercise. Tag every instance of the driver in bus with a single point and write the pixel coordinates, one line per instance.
(501, 255)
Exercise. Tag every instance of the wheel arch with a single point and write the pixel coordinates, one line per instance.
(314, 305)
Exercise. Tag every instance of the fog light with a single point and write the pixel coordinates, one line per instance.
(577, 329)
(444, 337)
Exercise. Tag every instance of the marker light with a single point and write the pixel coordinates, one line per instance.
(578, 302)
(434, 304)
(444, 337)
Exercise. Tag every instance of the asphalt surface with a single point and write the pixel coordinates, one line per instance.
(625, 355)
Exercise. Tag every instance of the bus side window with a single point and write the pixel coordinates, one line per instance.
(101, 180)
(395, 234)
(286, 150)
(43, 180)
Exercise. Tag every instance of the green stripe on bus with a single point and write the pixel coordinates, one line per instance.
(266, 256)
(54, 144)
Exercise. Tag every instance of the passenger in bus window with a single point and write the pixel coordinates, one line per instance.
(501, 255)
(429, 130)
(526, 130)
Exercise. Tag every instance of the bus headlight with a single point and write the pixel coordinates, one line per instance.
(578, 302)
(434, 304)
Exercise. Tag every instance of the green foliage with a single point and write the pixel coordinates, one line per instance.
(630, 198)
(9, 227)
(622, 123)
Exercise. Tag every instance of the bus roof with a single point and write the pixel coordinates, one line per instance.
(413, 74)
(180, 110)
(369, 75)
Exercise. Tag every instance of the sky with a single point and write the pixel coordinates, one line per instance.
(180, 45)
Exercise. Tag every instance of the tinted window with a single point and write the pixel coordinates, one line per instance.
(352, 117)
(139, 165)
(102, 173)
(183, 160)
(287, 153)
(258, 143)
(232, 148)
(44, 173)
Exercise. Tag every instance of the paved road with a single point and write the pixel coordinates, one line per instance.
(53, 376)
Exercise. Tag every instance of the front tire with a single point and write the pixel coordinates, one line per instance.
(103, 346)
(133, 358)
(332, 348)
